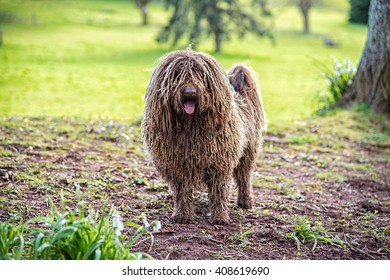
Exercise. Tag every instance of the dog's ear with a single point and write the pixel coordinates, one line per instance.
(237, 80)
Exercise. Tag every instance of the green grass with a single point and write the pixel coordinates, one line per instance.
(90, 58)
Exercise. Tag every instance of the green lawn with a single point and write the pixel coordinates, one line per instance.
(91, 58)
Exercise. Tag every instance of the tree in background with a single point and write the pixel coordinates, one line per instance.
(371, 83)
(218, 19)
(304, 6)
(142, 5)
(358, 11)
(4, 17)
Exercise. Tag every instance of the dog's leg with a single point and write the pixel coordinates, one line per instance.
(183, 204)
(218, 188)
(243, 175)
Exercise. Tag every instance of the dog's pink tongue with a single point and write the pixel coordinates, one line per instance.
(189, 107)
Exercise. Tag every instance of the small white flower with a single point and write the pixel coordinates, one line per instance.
(91, 216)
(117, 223)
(145, 221)
(156, 226)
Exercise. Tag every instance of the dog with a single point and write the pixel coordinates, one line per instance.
(203, 127)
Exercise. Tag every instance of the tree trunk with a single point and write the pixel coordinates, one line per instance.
(218, 42)
(144, 15)
(371, 83)
(306, 22)
(305, 6)
(142, 5)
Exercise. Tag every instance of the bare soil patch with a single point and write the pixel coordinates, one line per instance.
(335, 171)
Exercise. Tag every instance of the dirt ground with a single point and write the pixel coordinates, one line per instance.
(331, 172)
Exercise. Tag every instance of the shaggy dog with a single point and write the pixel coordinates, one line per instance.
(202, 126)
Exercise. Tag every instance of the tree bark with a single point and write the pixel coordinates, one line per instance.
(371, 83)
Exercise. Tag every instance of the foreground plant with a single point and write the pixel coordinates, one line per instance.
(241, 236)
(304, 232)
(11, 241)
(72, 234)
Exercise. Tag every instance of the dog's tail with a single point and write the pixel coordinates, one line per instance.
(243, 79)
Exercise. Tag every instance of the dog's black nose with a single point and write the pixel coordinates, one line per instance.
(189, 90)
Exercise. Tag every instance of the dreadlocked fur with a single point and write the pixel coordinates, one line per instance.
(202, 126)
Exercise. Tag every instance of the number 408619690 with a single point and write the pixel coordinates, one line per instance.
(242, 271)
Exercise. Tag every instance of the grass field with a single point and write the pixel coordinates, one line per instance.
(91, 58)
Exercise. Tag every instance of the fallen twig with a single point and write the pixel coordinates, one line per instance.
(357, 250)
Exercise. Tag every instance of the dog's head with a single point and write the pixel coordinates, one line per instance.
(189, 83)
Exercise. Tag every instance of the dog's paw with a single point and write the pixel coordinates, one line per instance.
(180, 219)
(245, 203)
(221, 220)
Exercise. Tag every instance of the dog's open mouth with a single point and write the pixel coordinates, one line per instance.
(189, 99)
(189, 106)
